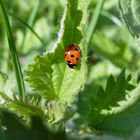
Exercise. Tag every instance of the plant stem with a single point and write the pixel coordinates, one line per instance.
(14, 55)
(94, 20)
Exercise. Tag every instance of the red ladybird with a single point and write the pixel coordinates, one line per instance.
(72, 55)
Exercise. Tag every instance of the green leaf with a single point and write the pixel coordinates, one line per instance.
(102, 103)
(50, 75)
(115, 92)
(10, 101)
(127, 119)
(24, 109)
(130, 10)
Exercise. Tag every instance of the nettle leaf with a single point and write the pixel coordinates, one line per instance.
(103, 102)
(23, 109)
(130, 10)
(10, 101)
(115, 91)
(127, 119)
(50, 75)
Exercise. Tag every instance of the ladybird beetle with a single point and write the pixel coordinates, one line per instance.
(72, 55)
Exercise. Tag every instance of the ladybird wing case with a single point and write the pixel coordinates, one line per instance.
(72, 55)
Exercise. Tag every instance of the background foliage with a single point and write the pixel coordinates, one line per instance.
(99, 99)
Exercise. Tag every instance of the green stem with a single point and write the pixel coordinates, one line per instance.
(111, 17)
(14, 55)
(94, 20)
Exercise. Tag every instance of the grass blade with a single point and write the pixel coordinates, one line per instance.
(94, 20)
(30, 22)
(14, 55)
(30, 28)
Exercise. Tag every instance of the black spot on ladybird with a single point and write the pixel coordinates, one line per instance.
(77, 59)
(72, 55)
(76, 49)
